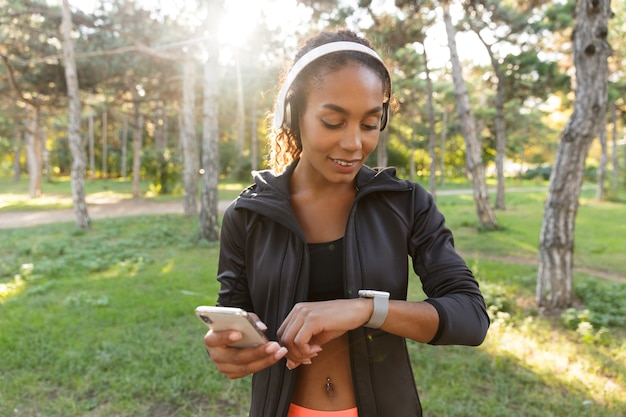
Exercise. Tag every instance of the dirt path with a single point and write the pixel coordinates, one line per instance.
(105, 206)
(98, 209)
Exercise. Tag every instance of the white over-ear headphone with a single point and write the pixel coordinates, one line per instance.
(280, 113)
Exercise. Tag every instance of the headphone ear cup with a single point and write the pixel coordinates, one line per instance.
(290, 120)
(385, 117)
(287, 115)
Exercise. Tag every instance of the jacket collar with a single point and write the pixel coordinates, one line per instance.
(272, 191)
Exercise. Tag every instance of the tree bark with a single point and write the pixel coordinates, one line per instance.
(499, 121)
(381, 150)
(473, 157)
(105, 144)
(34, 152)
(45, 155)
(124, 146)
(444, 137)
(81, 216)
(556, 245)
(500, 134)
(240, 107)
(615, 160)
(604, 158)
(209, 227)
(92, 140)
(17, 146)
(432, 138)
(190, 146)
(254, 133)
(137, 147)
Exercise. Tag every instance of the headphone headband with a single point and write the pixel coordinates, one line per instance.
(309, 57)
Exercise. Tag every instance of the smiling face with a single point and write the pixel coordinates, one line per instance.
(340, 123)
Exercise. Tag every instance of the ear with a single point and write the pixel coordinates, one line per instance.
(385, 117)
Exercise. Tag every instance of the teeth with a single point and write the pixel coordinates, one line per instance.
(343, 163)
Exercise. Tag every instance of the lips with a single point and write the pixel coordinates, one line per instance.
(344, 163)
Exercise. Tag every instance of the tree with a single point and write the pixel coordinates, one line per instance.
(189, 142)
(556, 247)
(604, 159)
(81, 216)
(473, 157)
(209, 228)
(499, 121)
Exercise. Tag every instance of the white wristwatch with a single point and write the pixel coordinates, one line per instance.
(381, 307)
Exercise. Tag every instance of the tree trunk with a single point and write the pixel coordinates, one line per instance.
(209, 227)
(499, 122)
(45, 155)
(444, 137)
(240, 107)
(604, 158)
(34, 153)
(254, 134)
(105, 144)
(556, 244)
(615, 160)
(432, 138)
(17, 146)
(92, 157)
(412, 160)
(124, 146)
(473, 157)
(381, 151)
(81, 216)
(190, 146)
(137, 147)
(500, 138)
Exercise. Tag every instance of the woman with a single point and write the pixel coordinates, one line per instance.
(304, 245)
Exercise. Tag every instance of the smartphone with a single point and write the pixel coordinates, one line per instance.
(232, 318)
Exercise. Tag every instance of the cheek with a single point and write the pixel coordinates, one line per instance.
(369, 142)
(314, 137)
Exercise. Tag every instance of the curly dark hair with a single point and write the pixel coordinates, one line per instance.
(284, 142)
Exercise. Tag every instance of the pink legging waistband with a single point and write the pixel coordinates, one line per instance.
(298, 411)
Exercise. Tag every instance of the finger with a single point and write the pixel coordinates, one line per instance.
(257, 321)
(237, 363)
(222, 338)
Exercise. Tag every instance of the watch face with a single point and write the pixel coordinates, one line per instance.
(373, 293)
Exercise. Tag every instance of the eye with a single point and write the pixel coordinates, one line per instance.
(329, 125)
(370, 127)
(371, 124)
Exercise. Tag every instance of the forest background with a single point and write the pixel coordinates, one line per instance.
(156, 79)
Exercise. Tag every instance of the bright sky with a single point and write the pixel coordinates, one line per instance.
(288, 17)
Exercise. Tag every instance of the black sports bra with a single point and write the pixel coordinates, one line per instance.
(326, 273)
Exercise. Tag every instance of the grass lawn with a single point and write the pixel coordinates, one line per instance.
(57, 194)
(101, 323)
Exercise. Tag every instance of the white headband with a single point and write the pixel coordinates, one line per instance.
(306, 59)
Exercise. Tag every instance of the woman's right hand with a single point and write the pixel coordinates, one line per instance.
(239, 362)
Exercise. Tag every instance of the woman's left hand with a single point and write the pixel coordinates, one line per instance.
(310, 325)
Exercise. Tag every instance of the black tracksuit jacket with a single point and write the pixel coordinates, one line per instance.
(264, 268)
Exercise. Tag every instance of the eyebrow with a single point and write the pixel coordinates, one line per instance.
(340, 109)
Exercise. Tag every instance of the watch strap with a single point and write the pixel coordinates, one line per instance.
(381, 307)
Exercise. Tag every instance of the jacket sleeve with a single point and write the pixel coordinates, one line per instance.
(231, 272)
(447, 281)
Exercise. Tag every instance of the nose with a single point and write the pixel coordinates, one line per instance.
(352, 140)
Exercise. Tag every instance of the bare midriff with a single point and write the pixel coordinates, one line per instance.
(326, 384)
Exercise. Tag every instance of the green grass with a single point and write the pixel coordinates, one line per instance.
(57, 194)
(101, 323)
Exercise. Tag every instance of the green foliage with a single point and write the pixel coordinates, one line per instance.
(101, 323)
(605, 304)
(542, 172)
(164, 167)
